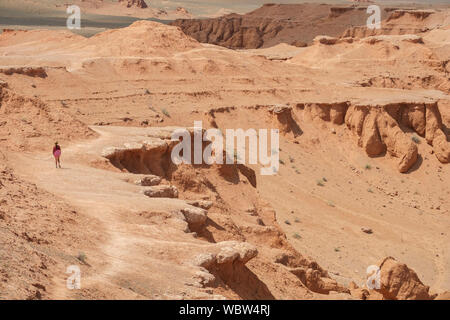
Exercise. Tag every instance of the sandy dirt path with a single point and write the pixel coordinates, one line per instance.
(129, 248)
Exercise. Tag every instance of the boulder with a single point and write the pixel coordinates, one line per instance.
(315, 281)
(134, 3)
(226, 252)
(203, 204)
(148, 181)
(358, 293)
(398, 282)
(366, 230)
(195, 217)
(325, 40)
(164, 191)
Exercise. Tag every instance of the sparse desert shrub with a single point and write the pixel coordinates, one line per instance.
(415, 139)
(297, 236)
(82, 257)
(320, 183)
(297, 220)
(281, 162)
(165, 112)
(331, 204)
(297, 171)
(291, 159)
(370, 190)
(368, 167)
(287, 222)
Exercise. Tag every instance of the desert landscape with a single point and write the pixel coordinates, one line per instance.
(363, 117)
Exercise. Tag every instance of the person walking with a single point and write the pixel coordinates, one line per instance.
(57, 154)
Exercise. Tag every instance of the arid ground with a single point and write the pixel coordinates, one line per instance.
(364, 179)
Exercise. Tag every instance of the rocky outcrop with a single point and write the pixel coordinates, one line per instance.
(27, 71)
(337, 11)
(357, 292)
(148, 181)
(334, 112)
(434, 134)
(417, 14)
(134, 3)
(378, 132)
(381, 128)
(145, 157)
(309, 273)
(393, 281)
(203, 204)
(227, 253)
(182, 10)
(397, 143)
(313, 280)
(225, 262)
(195, 217)
(162, 191)
(398, 282)
(399, 22)
(284, 119)
(325, 40)
(228, 31)
(295, 24)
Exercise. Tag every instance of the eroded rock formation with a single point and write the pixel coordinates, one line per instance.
(28, 71)
(285, 120)
(295, 24)
(134, 3)
(382, 128)
(310, 273)
(146, 157)
(399, 22)
(162, 191)
(148, 181)
(398, 282)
